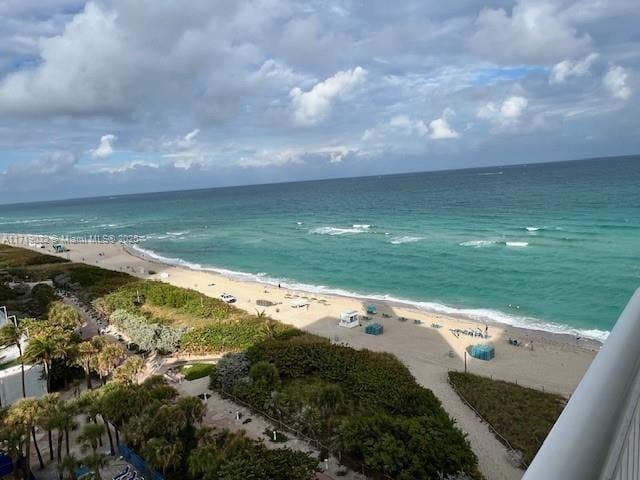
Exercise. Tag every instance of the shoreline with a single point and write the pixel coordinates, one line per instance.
(212, 282)
(479, 316)
(425, 342)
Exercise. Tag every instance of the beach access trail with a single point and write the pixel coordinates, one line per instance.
(422, 340)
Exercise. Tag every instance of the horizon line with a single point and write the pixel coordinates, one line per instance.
(324, 179)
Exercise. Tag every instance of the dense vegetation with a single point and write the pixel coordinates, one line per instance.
(523, 416)
(213, 325)
(164, 428)
(87, 281)
(149, 336)
(361, 404)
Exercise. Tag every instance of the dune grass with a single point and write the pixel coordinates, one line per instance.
(523, 416)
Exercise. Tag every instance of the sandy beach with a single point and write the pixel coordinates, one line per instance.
(423, 341)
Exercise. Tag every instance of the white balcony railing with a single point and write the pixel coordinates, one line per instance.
(598, 434)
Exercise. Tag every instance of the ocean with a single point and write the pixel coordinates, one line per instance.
(549, 246)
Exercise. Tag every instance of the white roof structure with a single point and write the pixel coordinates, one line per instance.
(349, 319)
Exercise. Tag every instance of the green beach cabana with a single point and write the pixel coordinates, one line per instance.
(371, 309)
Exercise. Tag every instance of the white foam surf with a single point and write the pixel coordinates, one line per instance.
(517, 244)
(482, 315)
(338, 230)
(404, 239)
(477, 243)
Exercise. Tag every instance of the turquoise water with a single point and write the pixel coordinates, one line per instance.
(554, 246)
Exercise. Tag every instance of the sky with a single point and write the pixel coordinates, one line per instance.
(117, 96)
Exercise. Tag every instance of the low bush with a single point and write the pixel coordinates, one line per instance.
(230, 368)
(131, 296)
(407, 448)
(375, 379)
(237, 334)
(148, 336)
(523, 416)
(197, 370)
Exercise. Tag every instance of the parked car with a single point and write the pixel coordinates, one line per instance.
(228, 298)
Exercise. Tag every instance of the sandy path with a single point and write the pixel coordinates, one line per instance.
(556, 363)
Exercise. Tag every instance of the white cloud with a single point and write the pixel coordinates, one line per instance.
(129, 166)
(310, 108)
(105, 148)
(615, 81)
(79, 70)
(505, 115)
(513, 107)
(563, 70)
(182, 143)
(407, 126)
(291, 156)
(534, 32)
(440, 129)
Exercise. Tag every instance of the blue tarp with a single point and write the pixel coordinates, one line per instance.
(138, 462)
(373, 329)
(81, 471)
(6, 465)
(483, 352)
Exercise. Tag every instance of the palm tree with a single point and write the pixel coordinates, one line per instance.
(62, 418)
(65, 422)
(128, 372)
(95, 461)
(11, 335)
(91, 436)
(13, 439)
(163, 455)
(69, 464)
(64, 316)
(108, 359)
(193, 408)
(48, 417)
(23, 415)
(46, 348)
(85, 354)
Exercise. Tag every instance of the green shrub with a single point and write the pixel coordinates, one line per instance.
(6, 293)
(41, 296)
(197, 370)
(148, 336)
(523, 416)
(264, 375)
(275, 436)
(229, 370)
(375, 379)
(407, 448)
(160, 294)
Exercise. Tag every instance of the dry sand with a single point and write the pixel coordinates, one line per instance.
(556, 362)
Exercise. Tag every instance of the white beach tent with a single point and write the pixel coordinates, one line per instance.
(349, 319)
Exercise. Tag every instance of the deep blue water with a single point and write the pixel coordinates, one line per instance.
(556, 245)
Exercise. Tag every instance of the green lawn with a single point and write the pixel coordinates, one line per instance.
(197, 370)
(523, 416)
